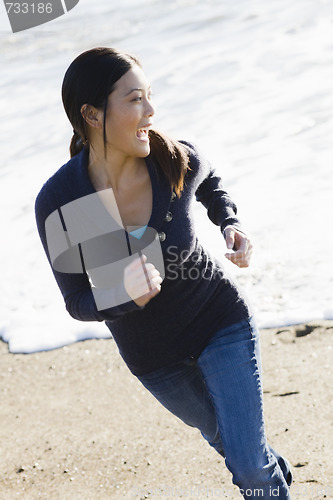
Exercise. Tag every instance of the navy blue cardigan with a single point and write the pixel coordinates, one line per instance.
(196, 299)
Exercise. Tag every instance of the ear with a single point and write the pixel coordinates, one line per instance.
(93, 116)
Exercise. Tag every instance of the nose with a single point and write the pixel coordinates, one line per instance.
(149, 110)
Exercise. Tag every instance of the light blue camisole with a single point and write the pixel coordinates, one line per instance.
(138, 233)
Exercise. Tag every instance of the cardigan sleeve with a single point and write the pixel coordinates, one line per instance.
(221, 210)
(75, 287)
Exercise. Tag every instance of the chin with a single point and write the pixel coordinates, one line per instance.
(144, 151)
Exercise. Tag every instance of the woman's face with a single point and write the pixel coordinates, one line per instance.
(130, 115)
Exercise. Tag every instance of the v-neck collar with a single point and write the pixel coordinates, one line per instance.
(161, 190)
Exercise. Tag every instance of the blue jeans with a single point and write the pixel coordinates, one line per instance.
(220, 393)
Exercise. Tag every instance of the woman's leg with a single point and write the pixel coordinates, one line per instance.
(230, 366)
(181, 389)
(231, 359)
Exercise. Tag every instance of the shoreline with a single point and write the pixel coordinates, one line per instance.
(77, 425)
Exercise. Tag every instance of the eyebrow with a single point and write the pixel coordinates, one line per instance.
(137, 90)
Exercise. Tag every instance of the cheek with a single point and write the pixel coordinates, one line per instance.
(122, 123)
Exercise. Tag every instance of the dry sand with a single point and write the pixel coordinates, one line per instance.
(75, 424)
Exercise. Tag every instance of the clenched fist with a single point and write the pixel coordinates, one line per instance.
(142, 280)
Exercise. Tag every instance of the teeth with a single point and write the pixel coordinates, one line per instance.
(142, 132)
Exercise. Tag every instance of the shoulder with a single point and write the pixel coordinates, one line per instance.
(62, 187)
(196, 156)
(199, 166)
(191, 148)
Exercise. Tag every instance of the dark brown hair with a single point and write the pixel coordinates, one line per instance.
(90, 79)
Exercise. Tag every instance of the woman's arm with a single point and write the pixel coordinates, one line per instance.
(222, 211)
(75, 287)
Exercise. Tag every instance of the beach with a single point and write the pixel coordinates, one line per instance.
(76, 425)
(250, 83)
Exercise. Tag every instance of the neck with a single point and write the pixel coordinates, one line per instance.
(115, 171)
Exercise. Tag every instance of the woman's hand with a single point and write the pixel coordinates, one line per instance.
(241, 246)
(142, 281)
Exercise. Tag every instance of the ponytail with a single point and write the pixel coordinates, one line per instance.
(77, 144)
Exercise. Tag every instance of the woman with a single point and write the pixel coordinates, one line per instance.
(117, 227)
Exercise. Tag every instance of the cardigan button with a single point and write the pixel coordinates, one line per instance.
(162, 236)
(173, 196)
(168, 217)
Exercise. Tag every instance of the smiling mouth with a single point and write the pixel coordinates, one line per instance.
(142, 134)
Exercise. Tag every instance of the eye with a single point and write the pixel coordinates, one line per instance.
(140, 98)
